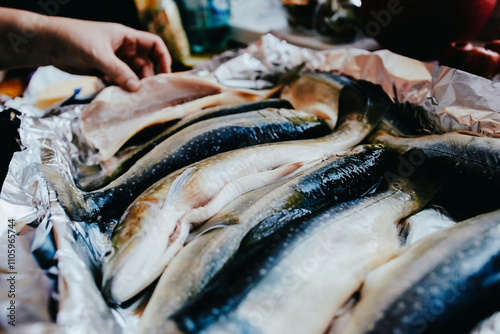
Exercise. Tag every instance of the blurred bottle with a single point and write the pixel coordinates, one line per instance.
(206, 23)
(162, 18)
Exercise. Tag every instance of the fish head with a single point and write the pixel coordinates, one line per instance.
(315, 94)
(135, 255)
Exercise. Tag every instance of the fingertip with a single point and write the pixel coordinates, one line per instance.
(154, 47)
(165, 63)
(119, 72)
(132, 84)
(161, 55)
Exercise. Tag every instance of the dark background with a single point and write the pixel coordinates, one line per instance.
(120, 11)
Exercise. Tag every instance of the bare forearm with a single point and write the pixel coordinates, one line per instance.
(22, 39)
(112, 51)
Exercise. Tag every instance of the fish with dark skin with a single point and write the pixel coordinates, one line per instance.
(362, 104)
(474, 181)
(334, 180)
(313, 264)
(445, 283)
(97, 176)
(162, 217)
(199, 141)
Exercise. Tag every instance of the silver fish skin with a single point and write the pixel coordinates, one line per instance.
(362, 103)
(464, 148)
(201, 140)
(314, 265)
(474, 177)
(444, 283)
(97, 176)
(197, 262)
(163, 223)
(159, 212)
(337, 179)
(362, 109)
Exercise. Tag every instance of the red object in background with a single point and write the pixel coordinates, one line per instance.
(454, 54)
(481, 62)
(493, 45)
(422, 29)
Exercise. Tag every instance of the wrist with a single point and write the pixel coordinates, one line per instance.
(22, 38)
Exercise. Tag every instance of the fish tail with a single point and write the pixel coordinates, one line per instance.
(89, 177)
(286, 78)
(71, 199)
(378, 103)
(406, 119)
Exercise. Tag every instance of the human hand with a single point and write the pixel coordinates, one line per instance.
(112, 51)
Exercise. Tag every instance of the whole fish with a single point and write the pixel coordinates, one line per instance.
(142, 248)
(115, 115)
(445, 283)
(335, 180)
(200, 140)
(313, 265)
(475, 179)
(91, 177)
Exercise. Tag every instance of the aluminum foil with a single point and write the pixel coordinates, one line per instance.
(453, 99)
(57, 261)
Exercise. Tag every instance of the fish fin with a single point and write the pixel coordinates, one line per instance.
(288, 77)
(405, 119)
(237, 188)
(71, 199)
(291, 75)
(283, 80)
(209, 226)
(177, 187)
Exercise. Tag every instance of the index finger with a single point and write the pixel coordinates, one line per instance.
(152, 45)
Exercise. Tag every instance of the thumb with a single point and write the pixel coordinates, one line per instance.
(120, 73)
